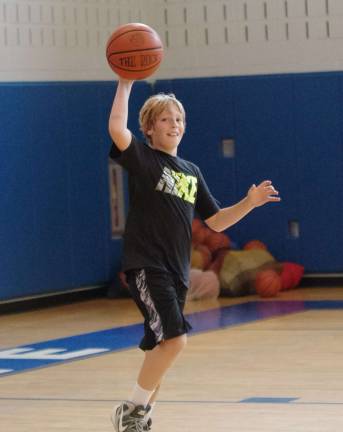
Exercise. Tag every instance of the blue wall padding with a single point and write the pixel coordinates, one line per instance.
(318, 136)
(55, 216)
(266, 150)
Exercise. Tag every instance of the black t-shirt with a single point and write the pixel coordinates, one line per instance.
(164, 192)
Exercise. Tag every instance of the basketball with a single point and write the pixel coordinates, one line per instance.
(267, 283)
(196, 225)
(203, 234)
(217, 240)
(254, 244)
(134, 51)
(291, 275)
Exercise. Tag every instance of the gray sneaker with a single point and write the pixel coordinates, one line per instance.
(130, 418)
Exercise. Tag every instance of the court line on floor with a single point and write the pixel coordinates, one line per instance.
(178, 402)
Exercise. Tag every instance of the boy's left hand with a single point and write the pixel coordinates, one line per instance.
(263, 193)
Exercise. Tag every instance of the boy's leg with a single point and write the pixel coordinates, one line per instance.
(154, 293)
(156, 364)
(135, 417)
(159, 360)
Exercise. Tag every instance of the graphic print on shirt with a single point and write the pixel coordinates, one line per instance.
(178, 184)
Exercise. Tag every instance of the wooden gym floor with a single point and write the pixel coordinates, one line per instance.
(250, 366)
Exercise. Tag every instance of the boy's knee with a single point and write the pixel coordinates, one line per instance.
(176, 344)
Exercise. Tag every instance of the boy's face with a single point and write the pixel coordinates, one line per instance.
(167, 130)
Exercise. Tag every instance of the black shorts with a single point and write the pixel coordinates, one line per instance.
(161, 298)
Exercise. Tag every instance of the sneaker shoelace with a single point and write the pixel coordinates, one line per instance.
(135, 424)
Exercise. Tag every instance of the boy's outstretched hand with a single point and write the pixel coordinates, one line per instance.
(263, 193)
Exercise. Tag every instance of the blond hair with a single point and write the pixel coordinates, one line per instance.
(153, 107)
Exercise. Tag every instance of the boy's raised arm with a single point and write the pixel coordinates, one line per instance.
(117, 124)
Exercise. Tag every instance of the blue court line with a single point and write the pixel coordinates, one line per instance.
(268, 400)
(51, 352)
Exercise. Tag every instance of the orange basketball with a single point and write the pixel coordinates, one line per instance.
(134, 51)
(200, 235)
(217, 240)
(196, 225)
(254, 244)
(267, 283)
(291, 275)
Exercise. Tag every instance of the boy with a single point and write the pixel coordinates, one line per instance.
(165, 190)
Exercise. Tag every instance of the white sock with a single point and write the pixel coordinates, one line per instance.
(140, 396)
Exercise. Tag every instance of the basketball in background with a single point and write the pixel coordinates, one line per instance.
(291, 275)
(217, 240)
(267, 283)
(254, 244)
(134, 51)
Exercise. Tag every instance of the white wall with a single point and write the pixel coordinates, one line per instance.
(65, 39)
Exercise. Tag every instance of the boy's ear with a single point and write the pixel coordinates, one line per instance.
(149, 132)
